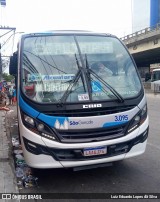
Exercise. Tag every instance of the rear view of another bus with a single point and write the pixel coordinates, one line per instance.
(80, 100)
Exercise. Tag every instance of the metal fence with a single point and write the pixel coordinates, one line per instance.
(141, 32)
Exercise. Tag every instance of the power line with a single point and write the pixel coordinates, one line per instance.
(7, 31)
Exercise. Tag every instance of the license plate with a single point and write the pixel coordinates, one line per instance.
(95, 151)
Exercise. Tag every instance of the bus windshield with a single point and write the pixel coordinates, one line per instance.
(76, 68)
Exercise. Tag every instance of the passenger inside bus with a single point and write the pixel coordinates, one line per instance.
(101, 69)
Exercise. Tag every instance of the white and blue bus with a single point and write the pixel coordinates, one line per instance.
(81, 102)
(155, 80)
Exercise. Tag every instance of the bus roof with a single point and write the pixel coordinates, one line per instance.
(67, 32)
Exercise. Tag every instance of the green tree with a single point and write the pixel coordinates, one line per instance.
(7, 77)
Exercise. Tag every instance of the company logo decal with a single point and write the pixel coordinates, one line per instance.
(80, 122)
(61, 124)
(92, 106)
(39, 77)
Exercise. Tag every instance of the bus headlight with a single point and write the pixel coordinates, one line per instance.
(38, 127)
(29, 120)
(138, 119)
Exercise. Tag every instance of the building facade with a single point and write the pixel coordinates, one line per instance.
(145, 13)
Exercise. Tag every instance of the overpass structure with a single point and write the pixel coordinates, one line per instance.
(144, 46)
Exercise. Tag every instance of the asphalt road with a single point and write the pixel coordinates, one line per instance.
(136, 175)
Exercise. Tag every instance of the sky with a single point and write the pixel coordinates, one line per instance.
(109, 16)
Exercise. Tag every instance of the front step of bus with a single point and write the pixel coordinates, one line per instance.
(92, 166)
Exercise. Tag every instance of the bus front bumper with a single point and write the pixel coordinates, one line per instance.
(42, 156)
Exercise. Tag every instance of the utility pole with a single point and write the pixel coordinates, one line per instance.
(6, 30)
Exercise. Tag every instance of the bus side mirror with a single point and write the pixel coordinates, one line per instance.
(13, 65)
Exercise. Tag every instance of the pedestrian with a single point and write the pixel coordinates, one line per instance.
(14, 98)
(10, 95)
(3, 101)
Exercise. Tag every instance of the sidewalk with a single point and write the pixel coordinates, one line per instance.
(7, 173)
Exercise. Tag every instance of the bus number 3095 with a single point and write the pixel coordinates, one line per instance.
(121, 118)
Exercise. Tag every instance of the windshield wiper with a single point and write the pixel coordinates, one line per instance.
(69, 89)
(117, 95)
(73, 82)
(89, 77)
(80, 68)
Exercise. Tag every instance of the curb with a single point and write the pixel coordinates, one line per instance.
(7, 173)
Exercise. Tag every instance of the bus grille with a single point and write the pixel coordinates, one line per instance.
(89, 112)
(91, 135)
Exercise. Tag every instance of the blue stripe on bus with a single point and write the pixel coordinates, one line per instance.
(51, 120)
(108, 124)
(27, 109)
